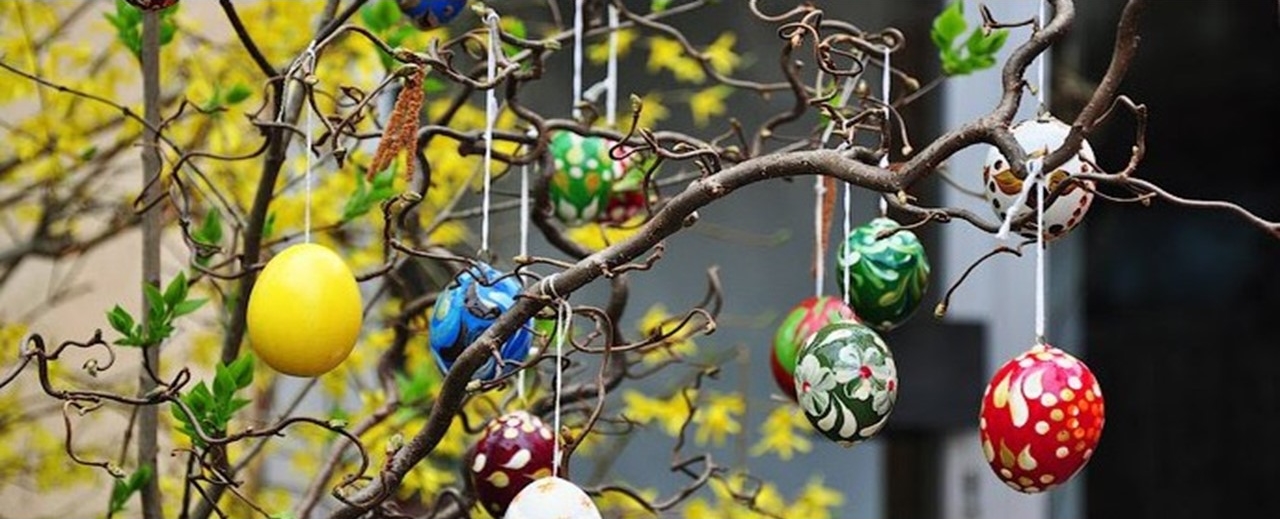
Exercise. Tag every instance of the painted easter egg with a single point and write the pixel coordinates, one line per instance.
(1039, 137)
(515, 449)
(305, 311)
(469, 306)
(804, 320)
(627, 197)
(1041, 418)
(426, 14)
(889, 275)
(846, 382)
(552, 498)
(582, 179)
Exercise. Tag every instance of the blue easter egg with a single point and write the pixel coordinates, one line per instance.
(468, 307)
(426, 14)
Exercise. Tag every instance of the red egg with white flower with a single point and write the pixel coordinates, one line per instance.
(1041, 419)
(515, 450)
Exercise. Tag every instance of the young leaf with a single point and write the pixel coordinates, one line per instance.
(949, 25)
(210, 231)
(238, 93)
(176, 292)
(224, 386)
(242, 371)
(120, 320)
(188, 306)
(155, 301)
(358, 204)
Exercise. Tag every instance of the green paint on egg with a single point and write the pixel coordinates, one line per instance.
(889, 275)
(582, 178)
(846, 382)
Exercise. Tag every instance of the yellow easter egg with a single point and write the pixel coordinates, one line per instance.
(304, 311)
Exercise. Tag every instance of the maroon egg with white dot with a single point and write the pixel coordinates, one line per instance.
(1039, 137)
(515, 450)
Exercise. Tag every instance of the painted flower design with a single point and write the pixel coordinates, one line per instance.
(814, 384)
(868, 374)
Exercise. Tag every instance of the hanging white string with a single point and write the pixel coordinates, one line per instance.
(848, 205)
(886, 88)
(490, 114)
(818, 191)
(563, 317)
(1040, 64)
(306, 171)
(577, 56)
(306, 65)
(524, 247)
(611, 102)
(1040, 254)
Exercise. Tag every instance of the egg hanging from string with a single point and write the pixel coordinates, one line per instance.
(800, 323)
(428, 14)
(514, 450)
(888, 272)
(469, 306)
(552, 498)
(846, 382)
(1003, 188)
(305, 311)
(1041, 419)
(582, 177)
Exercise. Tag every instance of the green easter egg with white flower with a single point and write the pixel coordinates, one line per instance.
(846, 382)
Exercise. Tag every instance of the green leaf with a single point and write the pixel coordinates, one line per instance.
(120, 320)
(380, 15)
(224, 385)
(269, 227)
(210, 231)
(434, 85)
(658, 6)
(992, 43)
(126, 487)
(366, 196)
(188, 306)
(949, 25)
(199, 399)
(236, 404)
(242, 371)
(155, 301)
(89, 153)
(176, 292)
(238, 93)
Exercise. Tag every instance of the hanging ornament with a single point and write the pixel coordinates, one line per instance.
(1004, 190)
(552, 498)
(890, 275)
(514, 450)
(304, 312)
(846, 381)
(583, 176)
(428, 14)
(152, 5)
(1041, 418)
(802, 322)
(468, 307)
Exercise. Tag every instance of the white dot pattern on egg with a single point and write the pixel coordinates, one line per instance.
(1001, 187)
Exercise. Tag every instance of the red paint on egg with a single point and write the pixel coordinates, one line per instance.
(1041, 419)
(514, 450)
